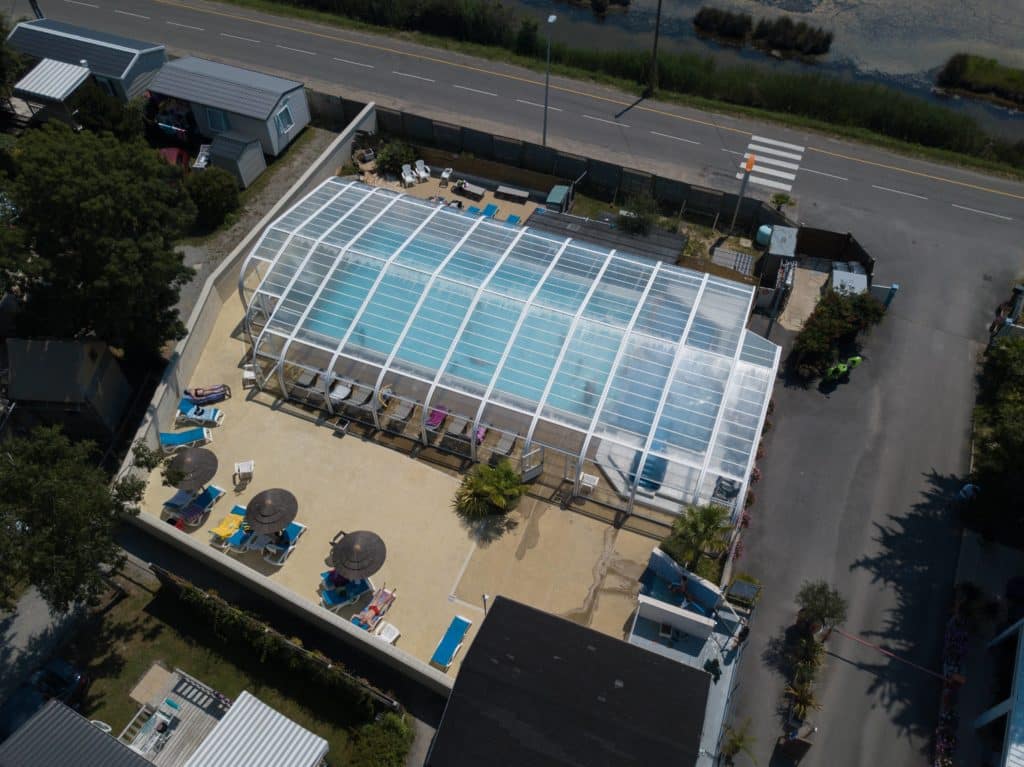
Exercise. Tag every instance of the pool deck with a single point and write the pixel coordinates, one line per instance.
(557, 560)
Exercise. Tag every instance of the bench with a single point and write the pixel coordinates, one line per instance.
(511, 193)
(470, 190)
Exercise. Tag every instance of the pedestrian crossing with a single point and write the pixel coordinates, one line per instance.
(775, 163)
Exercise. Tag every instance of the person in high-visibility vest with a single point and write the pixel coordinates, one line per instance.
(854, 361)
(837, 371)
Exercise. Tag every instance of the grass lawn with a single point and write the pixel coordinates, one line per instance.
(121, 642)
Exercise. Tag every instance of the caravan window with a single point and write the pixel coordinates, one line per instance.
(217, 120)
(284, 119)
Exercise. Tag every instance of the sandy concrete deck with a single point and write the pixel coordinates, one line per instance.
(807, 287)
(557, 560)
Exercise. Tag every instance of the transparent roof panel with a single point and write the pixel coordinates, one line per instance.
(585, 348)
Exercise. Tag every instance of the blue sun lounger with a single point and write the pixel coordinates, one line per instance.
(334, 598)
(450, 643)
(173, 440)
(490, 210)
(190, 412)
(514, 220)
(473, 210)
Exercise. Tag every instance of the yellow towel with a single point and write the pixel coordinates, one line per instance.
(227, 526)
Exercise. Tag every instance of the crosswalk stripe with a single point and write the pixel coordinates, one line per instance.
(762, 140)
(758, 149)
(765, 171)
(760, 160)
(770, 184)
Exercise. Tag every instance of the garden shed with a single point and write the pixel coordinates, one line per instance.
(239, 155)
(226, 99)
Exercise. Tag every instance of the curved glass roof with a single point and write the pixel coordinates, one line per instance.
(641, 356)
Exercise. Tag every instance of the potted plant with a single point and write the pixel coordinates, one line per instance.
(801, 700)
(821, 606)
(737, 741)
(488, 491)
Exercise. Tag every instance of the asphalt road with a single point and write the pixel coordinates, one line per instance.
(856, 480)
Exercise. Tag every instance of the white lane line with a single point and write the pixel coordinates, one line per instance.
(414, 77)
(822, 173)
(184, 26)
(602, 120)
(773, 142)
(982, 212)
(897, 191)
(238, 37)
(759, 150)
(129, 13)
(771, 172)
(535, 104)
(474, 90)
(354, 63)
(295, 50)
(674, 138)
(79, 2)
(770, 184)
(759, 161)
(731, 151)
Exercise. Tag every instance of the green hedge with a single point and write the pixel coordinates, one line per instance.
(983, 77)
(837, 319)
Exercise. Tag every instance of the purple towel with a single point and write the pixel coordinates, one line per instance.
(437, 416)
(481, 432)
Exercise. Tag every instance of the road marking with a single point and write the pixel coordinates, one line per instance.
(822, 173)
(414, 77)
(768, 183)
(184, 26)
(731, 151)
(79, 2)
(129, 13)
(237, 37)
(770, 161)
(354, 63)
(773, 142)
(602, 120)
(771, 172)
(535, 104)
(897, 191)
(474, 90)
(559, 88)
(761, 150)
(674, 138)
(295, 50)
(982, 212)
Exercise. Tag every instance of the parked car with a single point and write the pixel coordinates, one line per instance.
(57, 679)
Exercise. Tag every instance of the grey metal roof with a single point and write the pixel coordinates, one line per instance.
(51, 80)
(252, 734)
(231, 145)
(108, 55)
(210, 83)
(53, 371)
(57, 735)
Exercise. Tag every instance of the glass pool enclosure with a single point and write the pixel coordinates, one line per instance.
(634, 380)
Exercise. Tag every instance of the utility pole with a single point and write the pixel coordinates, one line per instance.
(652, 77)
(749, 166)
(547, 81)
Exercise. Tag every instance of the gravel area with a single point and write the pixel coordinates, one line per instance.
(205, 254)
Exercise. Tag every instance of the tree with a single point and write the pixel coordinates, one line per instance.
(99, 112)
(393, 155)
(99, 218)
(215, 194)
(11, 62)
(738, 741)
(698, 532)
(58, 513)
(820, 604)
(802, 700)
(488, 490)
(384, 743)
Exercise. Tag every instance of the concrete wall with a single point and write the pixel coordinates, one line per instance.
(687, 622)
(160, 415)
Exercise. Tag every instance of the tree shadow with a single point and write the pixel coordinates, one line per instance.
(486, 531)
(915, 557)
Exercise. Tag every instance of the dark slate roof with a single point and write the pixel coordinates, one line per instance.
(108, 55)
(657, 244)
(230, 145)
(239, 91)
(56, 735)
(54, 371)
(542, 691)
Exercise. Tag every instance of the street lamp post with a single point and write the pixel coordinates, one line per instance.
(547, 82)
(652, 76)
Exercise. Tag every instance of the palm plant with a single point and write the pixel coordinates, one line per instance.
(488, 490)
(802, 700)
(699, 531)
(820, 604)
(738, 741)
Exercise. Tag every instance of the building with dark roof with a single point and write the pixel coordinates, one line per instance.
(538, 690)
(225, 99)
(56, 735)
(122, 66)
